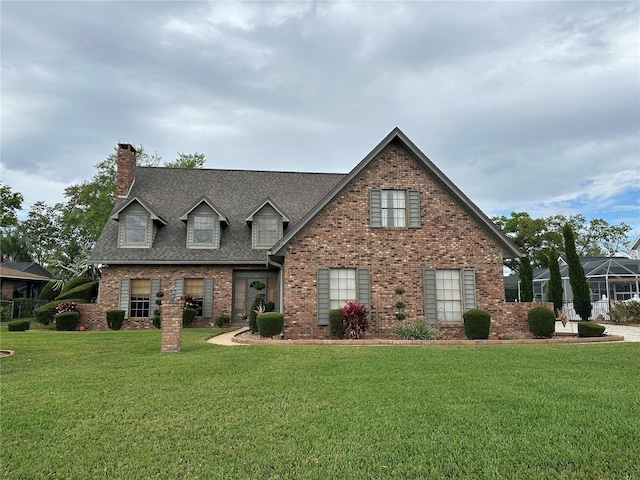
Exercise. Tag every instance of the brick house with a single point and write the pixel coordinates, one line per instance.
(313, 240)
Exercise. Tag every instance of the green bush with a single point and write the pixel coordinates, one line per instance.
(5, 314)
(87, 292)
(625, 311)
(336, 323)
(187, 316)
(67, 321)
(73, 283)
(45, 314)
(476, 324)
(24, 307)
(416, 330)
(270, 324)
(115, 319)
(47, 292)
(259, 300)
(542, 322)
(590, 329)
(222, 319)
(19, 325)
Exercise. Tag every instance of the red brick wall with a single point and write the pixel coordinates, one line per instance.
(339, 236)
(109, 289)
(125, 169)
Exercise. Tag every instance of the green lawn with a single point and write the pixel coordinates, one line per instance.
(89, 405)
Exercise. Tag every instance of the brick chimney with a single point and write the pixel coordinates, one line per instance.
(125, 168)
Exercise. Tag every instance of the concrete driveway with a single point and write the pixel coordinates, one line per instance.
(631, 333)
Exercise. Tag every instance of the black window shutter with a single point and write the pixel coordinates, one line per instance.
(364, 288)
(413, 200)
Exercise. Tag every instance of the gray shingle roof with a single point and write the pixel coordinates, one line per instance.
(235, 193)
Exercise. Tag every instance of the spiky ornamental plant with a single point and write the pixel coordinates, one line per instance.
(577, 278)
(355, 319)
(554, 286)
(526, 280)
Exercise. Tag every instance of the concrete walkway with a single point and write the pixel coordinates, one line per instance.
(631, 333)
(225, 338)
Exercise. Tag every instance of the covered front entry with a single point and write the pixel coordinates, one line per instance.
(246, 285)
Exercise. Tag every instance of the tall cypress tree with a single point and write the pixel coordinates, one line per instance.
(526, 280)
(577, 278)
(555, 281)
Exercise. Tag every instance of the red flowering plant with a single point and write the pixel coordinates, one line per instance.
(355, 319)
(189, 302)
(66, 307)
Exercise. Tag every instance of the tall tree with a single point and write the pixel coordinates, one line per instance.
(538, 237)
(555, 290)
(10, 205)
(187, 160)
(577, 278)
(526, 280)
(42, 229)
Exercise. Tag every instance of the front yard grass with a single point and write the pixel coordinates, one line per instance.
(109, 405)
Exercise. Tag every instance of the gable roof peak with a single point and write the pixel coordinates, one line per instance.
(261, 205)
(204, 199)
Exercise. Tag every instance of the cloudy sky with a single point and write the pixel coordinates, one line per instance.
(526, 106)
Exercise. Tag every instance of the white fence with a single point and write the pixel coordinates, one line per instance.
(599, 308)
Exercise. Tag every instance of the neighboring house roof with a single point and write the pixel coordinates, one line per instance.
(593, 267)
(13, 274)
(510, 250)
(28, 267)
(234, 193)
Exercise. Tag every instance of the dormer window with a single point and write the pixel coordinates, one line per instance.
(267, 231)
(135, 229)
(267, 224)
(203, 229)
(204, 224)
(139, 224)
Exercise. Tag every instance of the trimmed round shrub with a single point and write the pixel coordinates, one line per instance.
(590, 329)
(542, 322)
(87, 292)
(187, 316)
(417, 330)
(47, 292)
(73, 283)
(270, 324)
(336, 323)
(19, 326)
(115, 319)
(67, 321)
(476, 324)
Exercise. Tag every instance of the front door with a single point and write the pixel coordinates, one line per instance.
(254, 288)
(245, 291)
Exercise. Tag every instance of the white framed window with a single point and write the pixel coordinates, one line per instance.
(394, 208)
(203, 229)
(342, 286)
(449, 295)
(135, 228)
